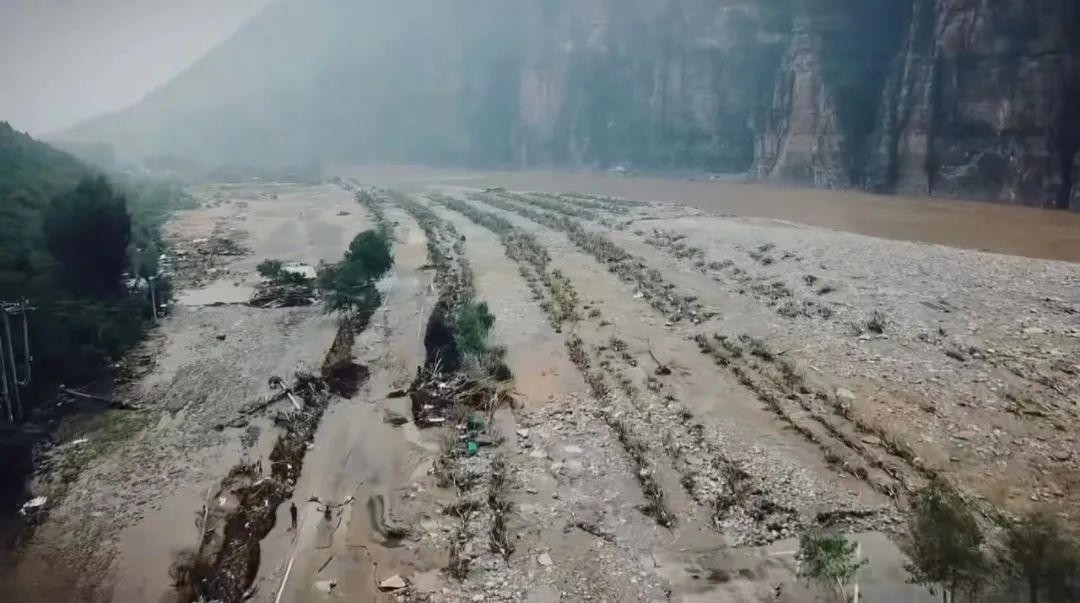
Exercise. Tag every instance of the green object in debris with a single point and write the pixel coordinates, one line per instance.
(475, 421)
(473, 447)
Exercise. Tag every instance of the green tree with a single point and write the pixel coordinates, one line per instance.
(349, 285)
(945, 544)
(474, 322)
(88, 230)
(1042, 556)
(829, 560)
(369, 255)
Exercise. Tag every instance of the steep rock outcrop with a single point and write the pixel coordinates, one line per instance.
(673, 84)
(972, 98)
(1002, 118)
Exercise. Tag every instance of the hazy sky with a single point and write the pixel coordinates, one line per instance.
(62, 61)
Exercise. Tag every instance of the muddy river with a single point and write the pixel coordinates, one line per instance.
(997, 227)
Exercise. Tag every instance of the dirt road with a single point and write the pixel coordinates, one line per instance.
(692, 393)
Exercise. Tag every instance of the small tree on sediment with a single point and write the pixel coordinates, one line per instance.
(829, 560)
(1042, 555)
(945, 544)
(349, 285)
(474, 322)
(369, 254)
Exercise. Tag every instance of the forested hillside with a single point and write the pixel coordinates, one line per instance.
(70, 241)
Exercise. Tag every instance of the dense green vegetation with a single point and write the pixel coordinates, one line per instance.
(474, 322)
(953, 554)
(349, 285)
(70, 242)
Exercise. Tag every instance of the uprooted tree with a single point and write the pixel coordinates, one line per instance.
(829, 560)
(946, 544)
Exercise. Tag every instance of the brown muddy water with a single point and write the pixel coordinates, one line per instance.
(996, 227)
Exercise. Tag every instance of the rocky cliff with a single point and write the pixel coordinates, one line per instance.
(972, 98)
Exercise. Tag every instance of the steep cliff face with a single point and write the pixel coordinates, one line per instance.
(971, 98)
(975, 98)
(651, 83)
(983, 102)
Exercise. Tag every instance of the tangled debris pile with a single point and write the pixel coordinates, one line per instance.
(453, 388)
(770, 292)
(282, 295)
(243, 511)
(559, 207)
(339, 370)
(193, 262)
(532, 260)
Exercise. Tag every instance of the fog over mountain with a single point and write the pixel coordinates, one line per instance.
(973, 98)
(64, 61)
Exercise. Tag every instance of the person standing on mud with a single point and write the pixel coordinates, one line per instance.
(292, 513)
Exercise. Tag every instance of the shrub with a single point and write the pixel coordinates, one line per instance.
(474, 322)
(269, 269)
(370, 255)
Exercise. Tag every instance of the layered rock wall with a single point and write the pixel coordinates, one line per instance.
(967, 98)
(974, 98)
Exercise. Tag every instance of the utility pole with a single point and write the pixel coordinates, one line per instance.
(11, 363)
(10, 390)
(27, 357)
(153, 298)
(4, 384)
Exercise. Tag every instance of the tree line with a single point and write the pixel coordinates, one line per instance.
(80, 247)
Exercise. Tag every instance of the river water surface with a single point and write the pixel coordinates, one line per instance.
(996, 227)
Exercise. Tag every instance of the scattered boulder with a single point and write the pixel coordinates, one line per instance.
(395, 582)
(845, 395)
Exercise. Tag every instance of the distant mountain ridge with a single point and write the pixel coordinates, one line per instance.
(33, 167)
(974, 98)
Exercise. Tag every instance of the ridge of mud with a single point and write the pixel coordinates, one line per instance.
(719, 483)
(651, 283)
(848, 447)
(447, 391)
(226, 562)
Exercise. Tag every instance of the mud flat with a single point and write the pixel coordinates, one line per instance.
(117, 521)
(683, 395)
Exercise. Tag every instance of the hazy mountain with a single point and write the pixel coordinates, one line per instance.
(950, 97)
